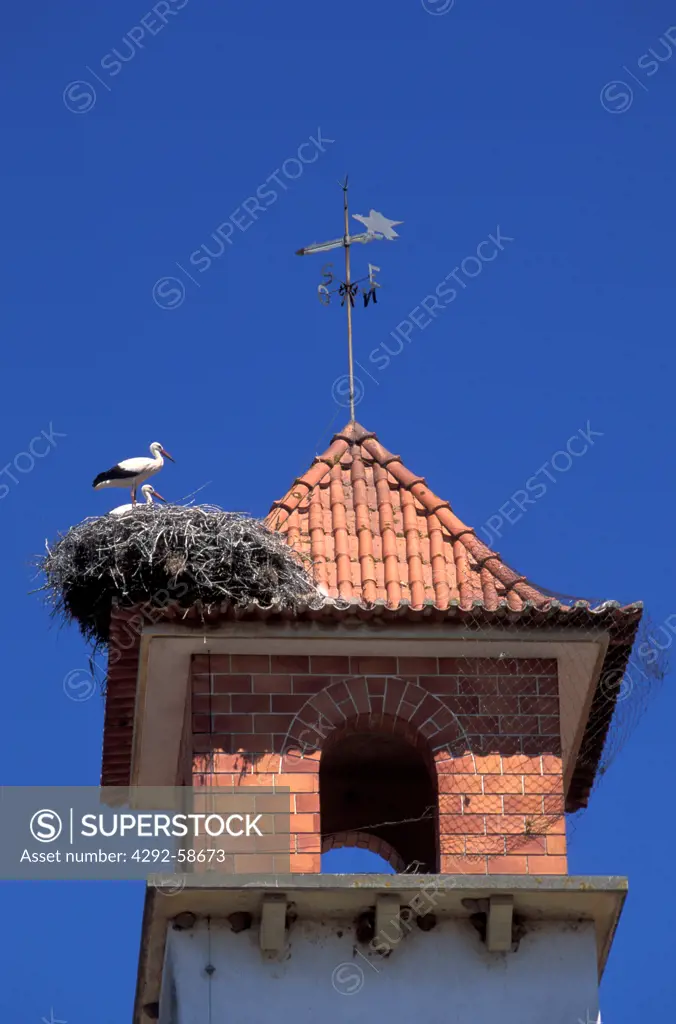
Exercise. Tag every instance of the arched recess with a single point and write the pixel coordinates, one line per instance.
(376, 781)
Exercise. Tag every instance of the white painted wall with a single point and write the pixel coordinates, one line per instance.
(445, 976)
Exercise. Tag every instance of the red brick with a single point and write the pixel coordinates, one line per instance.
(506, 783)
(521, 764)
(210, 663)
(289, 663)
(497, 705)
(313, 684)
(417, 666)
(461, 824)
(485, 844)
(423, 712)
(460, 784)
(488, 764)
(502, 824)
(307, 802)
(258, 779)
(379, 665)
(532, 845)
(548, 687)
(206, 743)
(453, 865)
(483, 805)
(480, 725)
(550, 726)
(554, 805)
(456, 666)
(531, 804)
(253, 863)
(339, 693)
(539, 705)
(536, 745)
(543, 784)
(519, 725)
(554, 825)
(537, 666)
(250, 662)
(308, 863)
(227, 763)
(551, 765)
(406, 710)
(222, 780)
(439, 685)
(450, 803)
(291, 703)
(487, 743)
(250, 702)
(393, 695)
(304, 823)
(306, 761)
(308, 842)
(477, 685)
(232, 684)
(201, 684)
(510, 865)
(414, 694)
(556, 845)
(233, 723)
(360, 696)
(462, 705)
(201, 723)
(451, 765)
(254, 743)
(547, 866)
(329, 665)
(517, 686)
(272, 723)
(452, 844)
(376, 685)
(216, 704)
(503, 666)
(300, 782)
(272, 684)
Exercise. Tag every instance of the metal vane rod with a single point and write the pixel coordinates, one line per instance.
(348, 304)
(377, 227)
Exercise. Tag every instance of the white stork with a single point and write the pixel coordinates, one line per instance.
(133, 472)
(148, 492)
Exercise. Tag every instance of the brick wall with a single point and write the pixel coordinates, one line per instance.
(487, 728)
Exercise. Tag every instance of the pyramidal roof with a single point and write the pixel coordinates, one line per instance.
(383, 544)
(377, 534)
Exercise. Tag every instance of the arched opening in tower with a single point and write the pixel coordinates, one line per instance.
(376, 791)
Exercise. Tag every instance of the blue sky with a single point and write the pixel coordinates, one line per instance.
(553, 125)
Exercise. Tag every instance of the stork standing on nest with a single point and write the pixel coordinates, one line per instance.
(133, 472)
(148, 492)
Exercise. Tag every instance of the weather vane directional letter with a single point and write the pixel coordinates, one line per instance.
(377, 227)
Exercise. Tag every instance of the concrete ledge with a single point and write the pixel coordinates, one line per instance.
(535, 898)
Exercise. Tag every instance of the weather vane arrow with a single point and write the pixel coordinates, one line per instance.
(377, 227)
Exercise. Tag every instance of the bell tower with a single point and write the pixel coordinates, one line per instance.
(430, 705)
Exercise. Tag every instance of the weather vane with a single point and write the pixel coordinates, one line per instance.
(377, 227)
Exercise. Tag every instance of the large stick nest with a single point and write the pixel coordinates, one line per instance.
(186, 555)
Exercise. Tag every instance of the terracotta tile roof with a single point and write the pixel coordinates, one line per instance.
(385, 546)
(376, 533)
